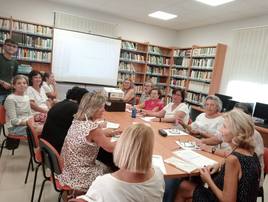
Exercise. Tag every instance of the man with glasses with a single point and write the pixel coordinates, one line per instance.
(8, 67)
(146, 93)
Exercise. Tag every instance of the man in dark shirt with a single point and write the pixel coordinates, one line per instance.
(60, 117)
(8, 67)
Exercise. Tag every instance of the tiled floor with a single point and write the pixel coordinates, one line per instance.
(12, 174)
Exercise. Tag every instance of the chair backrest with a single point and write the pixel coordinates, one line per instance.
(2, 115)
(50, 157)
(265, 158)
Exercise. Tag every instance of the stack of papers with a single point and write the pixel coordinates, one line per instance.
(189, 161)
(112, 125)
(190, 145)
(174, 132)
(157, 161)
(147, 118)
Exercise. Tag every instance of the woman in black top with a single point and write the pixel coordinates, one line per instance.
(238, 179)
(60, 117)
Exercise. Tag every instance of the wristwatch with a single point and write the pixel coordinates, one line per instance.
(213, 149)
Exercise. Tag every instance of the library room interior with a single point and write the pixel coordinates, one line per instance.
(133, 101)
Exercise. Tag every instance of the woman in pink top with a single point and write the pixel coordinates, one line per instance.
(153, 103)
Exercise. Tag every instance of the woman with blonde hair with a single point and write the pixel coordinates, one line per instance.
(238, 179)
(136, 180)
(81, 145)
(129, 91)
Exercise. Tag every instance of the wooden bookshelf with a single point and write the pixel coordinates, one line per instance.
(195, 69)
(35, 42)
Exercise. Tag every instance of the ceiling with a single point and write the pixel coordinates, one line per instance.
(190, 12)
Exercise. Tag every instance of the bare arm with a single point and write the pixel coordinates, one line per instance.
(229, 192)
(211, 140)
(159, 114)
(98, 136)
(129, 95)
(35, 107)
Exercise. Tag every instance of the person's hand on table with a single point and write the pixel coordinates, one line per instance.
(111, 132)
(204, 147)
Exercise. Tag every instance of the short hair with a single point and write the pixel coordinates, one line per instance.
(90, 103)
(46, 75)
(130, 80)
(175, 90)
(76, 93)
(32, 74)
(150, 82)
(158, 91)
(241, 127)
(11, 41)
(216, 99)
(134, 149)
(18, 77)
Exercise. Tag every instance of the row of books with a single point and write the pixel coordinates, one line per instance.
(129, 45)
(4, 24)
(203, 62)
(195, 97)
(182, 53)
(26, 54)
(177, 82)
(199, 52)
(122, 76)
(201, 75)
(198, 87)
(155, 50)
(24, 69)
(184, 62)
(157, 70)
(30, 41)
(179, 72)
(4, 36)
(154, 79)
(126, 66)
(132, 56)
(158, 60)
(31, 28)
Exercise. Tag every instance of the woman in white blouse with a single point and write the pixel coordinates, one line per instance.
(38, 99)
(136, 180)
(172, 111)
(208, 123)
(17, 106)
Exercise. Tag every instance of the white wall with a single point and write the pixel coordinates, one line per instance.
(41, 11)
(218, 33)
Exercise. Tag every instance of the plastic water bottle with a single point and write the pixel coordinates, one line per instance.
(133, 112)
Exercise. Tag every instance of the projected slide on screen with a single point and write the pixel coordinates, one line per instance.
(85, 58)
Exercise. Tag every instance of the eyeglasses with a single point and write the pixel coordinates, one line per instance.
(11, 45)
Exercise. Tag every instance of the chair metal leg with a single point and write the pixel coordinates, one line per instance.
(28, 170)
(34, 182)
(2, 147)
(13, 151)
(41, 190)
(60, 195)
(32, 164)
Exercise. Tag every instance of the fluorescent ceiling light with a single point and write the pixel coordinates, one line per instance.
(162, 15)
(215, 2)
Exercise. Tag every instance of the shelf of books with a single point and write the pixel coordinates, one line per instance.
(35, 43)
(205, 72)
(34, 40)
(4, 31)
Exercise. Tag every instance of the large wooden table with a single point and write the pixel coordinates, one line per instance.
(163, 146)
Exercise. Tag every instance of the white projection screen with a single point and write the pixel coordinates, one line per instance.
(85, 58)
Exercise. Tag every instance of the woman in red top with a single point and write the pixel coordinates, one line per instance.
(153, 103)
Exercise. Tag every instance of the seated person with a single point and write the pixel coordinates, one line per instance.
(129, 91)
(177, 109)
(60, 117)
(81, 145)
(38, 99)
(136, 180)
(153, 103)
(49, 85)
(259, 147)
(238, 178)
(17, 106)
(208, 123)
(148, 86)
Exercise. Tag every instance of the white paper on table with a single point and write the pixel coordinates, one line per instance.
(147, 118)
(180, 164)
(112, 125)
(174, 132)
(190, 145)
(128, 110)
(194, 158)
(157, 161)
